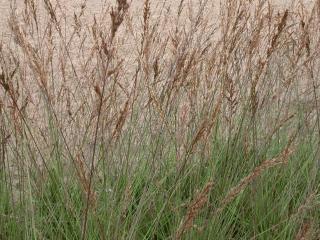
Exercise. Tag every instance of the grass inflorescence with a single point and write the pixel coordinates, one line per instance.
(160, 121)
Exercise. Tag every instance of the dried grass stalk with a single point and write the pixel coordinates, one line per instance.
(304, 231)
(193, 210)
(236, 190)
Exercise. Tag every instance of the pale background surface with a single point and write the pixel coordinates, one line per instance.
(95, 6)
